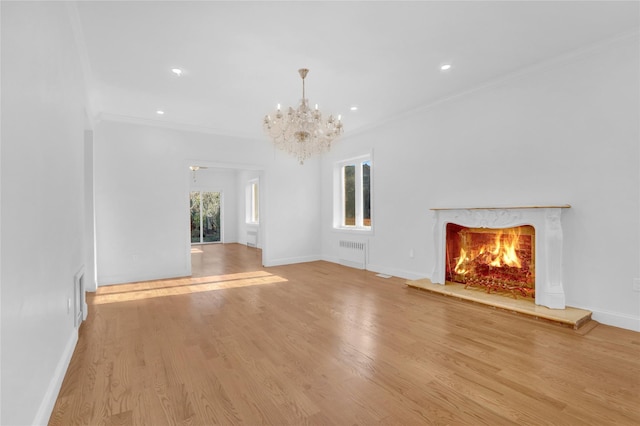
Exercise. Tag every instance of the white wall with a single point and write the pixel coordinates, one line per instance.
(42, 205)
(566, 132)
(141, 199)
(224, 181)
(290, 209)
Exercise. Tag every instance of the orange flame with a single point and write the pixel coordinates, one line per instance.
(462, 260)
(503, 252)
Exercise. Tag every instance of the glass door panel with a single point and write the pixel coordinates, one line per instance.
(195, 217)
(211, 217)
(205, 217)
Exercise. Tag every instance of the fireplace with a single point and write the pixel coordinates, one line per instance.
(527, 261)
(493, 259)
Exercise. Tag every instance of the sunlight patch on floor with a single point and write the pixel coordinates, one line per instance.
(188, 285)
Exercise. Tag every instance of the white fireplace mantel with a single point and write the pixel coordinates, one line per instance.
(548, 234)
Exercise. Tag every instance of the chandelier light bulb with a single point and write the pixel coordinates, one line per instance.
(302, 132)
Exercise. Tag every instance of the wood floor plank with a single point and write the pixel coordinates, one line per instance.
(323, 344)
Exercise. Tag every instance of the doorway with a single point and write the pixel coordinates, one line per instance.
(206, 217)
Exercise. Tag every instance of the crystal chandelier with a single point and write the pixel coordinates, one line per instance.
(302, 132)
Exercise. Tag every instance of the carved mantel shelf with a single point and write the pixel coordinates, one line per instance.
(562, 206)
(547, 223)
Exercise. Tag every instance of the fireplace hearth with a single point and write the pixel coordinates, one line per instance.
(513, 249)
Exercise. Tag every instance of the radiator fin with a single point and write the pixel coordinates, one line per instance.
(352, 253)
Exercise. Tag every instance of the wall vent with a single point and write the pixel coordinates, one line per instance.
(352, 253)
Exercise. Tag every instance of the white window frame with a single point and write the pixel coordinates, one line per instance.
(252, 213)
(339, 196)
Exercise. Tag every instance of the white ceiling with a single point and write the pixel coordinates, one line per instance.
(241, 58)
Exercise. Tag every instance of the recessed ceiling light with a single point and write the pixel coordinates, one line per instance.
(176, 71)
(445, 67)
(354, 108)
(159, 112)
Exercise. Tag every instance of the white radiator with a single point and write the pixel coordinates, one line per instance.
(352, 253)
(252, 238)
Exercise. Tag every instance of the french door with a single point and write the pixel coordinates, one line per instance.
(206, 219)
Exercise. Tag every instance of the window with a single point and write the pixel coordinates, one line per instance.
(253, 203)
(353, 194)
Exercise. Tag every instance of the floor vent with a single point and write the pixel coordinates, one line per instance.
(352, 253)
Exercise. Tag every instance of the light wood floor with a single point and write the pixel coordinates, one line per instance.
(323, 344)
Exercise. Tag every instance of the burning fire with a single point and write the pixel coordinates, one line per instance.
(503, 252)
(495, 259)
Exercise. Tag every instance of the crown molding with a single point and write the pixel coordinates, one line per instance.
(173, 125)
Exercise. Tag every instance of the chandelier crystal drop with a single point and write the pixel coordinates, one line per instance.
(302, 132)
